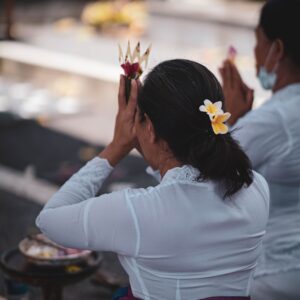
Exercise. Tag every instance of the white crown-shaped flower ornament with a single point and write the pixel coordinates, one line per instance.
(216, 115)
(132, 64)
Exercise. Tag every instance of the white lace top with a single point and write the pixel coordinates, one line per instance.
(178, 240)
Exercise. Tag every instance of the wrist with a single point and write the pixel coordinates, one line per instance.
(114, 153)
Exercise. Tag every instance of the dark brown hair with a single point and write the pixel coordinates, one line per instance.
(171, 96)
(279, 19)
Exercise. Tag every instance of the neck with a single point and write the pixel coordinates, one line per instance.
(286, 75)
(166, 163)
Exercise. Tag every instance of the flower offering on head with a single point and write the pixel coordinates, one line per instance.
(216, 115)
(132, 62)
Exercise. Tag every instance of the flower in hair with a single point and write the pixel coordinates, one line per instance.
(216, 116)
(217, 123)
(210, 108)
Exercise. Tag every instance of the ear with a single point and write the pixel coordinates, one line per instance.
(279, 50)
(150, 130)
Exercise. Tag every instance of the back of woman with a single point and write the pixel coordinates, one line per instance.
(198, 233)
(203, 245)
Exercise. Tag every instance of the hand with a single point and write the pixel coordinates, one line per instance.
(238, 96)
(124, 139)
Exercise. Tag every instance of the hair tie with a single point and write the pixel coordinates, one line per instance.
(216, 116)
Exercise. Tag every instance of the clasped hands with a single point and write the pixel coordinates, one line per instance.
(124, 138)
(238, 97)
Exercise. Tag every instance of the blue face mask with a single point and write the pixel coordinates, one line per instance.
(267, 79)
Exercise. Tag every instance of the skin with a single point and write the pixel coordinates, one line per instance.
(238, 96)
(130, 133)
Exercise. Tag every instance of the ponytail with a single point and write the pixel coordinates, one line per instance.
(220, 158)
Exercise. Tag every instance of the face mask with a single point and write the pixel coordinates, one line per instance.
(267, 79)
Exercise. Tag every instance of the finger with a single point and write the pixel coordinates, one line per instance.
(247, 88)
(225, 79)
(250, 98)
(121, 94)
(133, 96)
(228, 75)
(236, 78)
(139, 83)
(237, 81)
(236, 74)
(221, 72)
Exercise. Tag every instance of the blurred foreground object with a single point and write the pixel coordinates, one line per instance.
(8, 20)
(109, 15)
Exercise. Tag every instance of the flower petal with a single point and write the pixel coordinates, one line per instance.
(207, 102)
(223, 117)
(128, 53)
(219, 128)
(212, 109)
(121, 56)
(223, 128)
(218, 104)
(136, 52)
(202, 108)
(145, 56)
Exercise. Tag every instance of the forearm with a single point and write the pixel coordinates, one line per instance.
(83, 185)
(114, 153)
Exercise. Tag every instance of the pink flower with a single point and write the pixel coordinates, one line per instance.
(131, 70)
(132, 62)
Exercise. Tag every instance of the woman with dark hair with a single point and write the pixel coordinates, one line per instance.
(198, 233)
(270, 136)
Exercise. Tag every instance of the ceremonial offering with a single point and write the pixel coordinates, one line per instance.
(132, 64)
(40, 250)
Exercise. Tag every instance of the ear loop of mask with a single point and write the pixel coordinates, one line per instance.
(268, 79)
(268, 59)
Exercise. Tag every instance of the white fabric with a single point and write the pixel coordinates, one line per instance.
(178, 240)
(274, 286)
(270, 136)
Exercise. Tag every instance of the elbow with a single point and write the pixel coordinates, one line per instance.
(44, 224)
(40, 221)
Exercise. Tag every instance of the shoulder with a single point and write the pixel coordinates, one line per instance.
(167, 194)
(266, 114)
(261, 188)
(261, 182)
(151, 191)
(261, 127)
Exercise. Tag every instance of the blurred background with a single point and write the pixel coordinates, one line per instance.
(60, 64)
(59, 74)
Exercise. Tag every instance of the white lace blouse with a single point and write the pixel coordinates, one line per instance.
(178, 240)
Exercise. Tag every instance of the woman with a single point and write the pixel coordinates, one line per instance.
(198, 233)
(270, 136)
